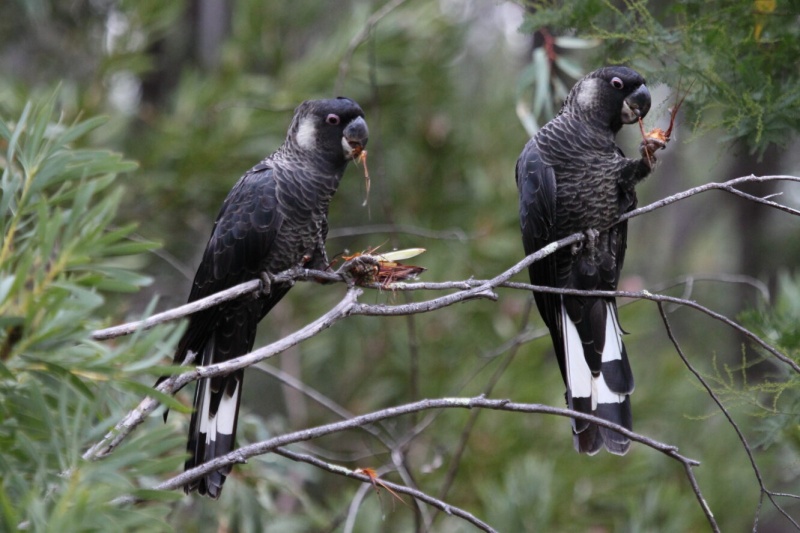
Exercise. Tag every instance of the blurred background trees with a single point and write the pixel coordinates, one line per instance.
(196, 91)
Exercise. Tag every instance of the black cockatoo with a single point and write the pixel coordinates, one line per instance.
(274, 218)
(572, 177)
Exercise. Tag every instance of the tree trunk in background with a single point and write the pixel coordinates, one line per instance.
(752, 224)
(198, 39)
(210, 25)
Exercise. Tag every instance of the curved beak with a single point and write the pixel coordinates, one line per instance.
(636, 105)
(356, 135)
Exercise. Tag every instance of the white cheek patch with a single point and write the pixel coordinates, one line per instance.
(306, 134)
(589, 93)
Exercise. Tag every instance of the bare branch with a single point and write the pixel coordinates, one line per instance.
(727, 186)
(298, 274)
(417, 494)
(703, 504)
(242, 454)
(349, 306)
(133, 418)
(646, 295)
(148, 405)
(288, 276)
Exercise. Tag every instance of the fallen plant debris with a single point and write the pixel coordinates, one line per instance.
(377, 483)
(387, 269)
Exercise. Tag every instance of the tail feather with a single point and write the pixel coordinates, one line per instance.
(212, 430)
(605, 393)
(588, 441)
(619, 413)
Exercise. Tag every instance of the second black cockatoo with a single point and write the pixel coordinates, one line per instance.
(274, 218)
(572, 177)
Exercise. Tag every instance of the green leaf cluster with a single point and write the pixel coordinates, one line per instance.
(778, 397)
(741, 57)
(61, 257)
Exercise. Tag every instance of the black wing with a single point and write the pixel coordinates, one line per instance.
(236, 252)
(536, 182)
(240, 246)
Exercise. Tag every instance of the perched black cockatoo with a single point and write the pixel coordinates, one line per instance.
(572, 177)
(274, 218)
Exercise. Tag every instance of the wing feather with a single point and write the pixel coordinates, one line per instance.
(240, 243)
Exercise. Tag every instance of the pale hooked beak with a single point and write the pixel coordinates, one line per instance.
(636, 105)
(354, 140)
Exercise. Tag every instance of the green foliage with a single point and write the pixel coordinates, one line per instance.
(779, 395)
(740, 56)
(60, 258)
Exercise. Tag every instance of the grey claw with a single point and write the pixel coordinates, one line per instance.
(266, 283)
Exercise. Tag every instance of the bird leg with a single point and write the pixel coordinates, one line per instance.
(266, 283)
(591, 243)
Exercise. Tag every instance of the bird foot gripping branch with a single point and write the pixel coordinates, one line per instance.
(657, 138)
(266, 283)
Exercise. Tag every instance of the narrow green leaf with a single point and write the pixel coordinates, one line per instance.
(80, 129)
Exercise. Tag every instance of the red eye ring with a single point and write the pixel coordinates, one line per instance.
(617, 83)
(332, 119)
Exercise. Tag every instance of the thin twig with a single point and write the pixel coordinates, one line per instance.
(241, 455)
(416, 494)
(359, 38)
(455, 461)
(689, 281)
(730, 419)
(727, 186)
(288, 276)
(297, 274)
(174, 383)
(296, 384)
